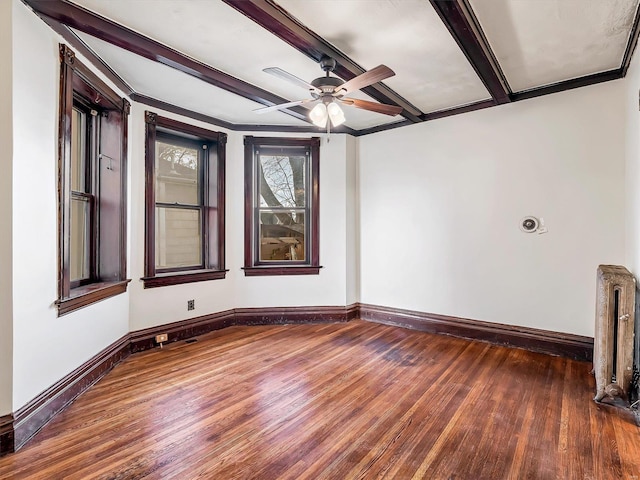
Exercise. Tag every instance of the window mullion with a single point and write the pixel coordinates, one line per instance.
(255, 231)
(94, 172)
(205, 202)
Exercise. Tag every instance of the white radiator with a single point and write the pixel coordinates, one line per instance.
(615, 320)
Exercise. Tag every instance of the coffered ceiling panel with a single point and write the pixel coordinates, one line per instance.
(169, 85)
(547, 41)
(213, 33)
(449, 56)
(408, 36)
(219, 36)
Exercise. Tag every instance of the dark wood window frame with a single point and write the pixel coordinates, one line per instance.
(213, 267)
(253, 267)
(108, 251)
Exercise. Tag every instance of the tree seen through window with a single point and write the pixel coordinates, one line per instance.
(282, 207)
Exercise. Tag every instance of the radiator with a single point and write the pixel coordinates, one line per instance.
(615, 319)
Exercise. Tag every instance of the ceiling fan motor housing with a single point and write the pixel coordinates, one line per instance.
(326, 84)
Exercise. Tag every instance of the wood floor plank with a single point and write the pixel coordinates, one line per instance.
(335, 401)
(395, 424)
(532, 460)
(444, 399)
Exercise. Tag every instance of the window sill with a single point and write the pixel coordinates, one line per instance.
(88, 294)
(177, 278)
(281, 270)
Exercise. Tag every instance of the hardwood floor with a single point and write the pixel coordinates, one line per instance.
(339, 401)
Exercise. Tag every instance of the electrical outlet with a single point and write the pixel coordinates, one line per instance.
(191, 304)
(163, 337)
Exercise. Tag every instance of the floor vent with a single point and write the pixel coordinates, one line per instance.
(615, 320)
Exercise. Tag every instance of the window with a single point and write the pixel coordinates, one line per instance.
(184, 203)
(281, 206)
(92, 188)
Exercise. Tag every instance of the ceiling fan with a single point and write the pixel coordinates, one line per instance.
(328, 92)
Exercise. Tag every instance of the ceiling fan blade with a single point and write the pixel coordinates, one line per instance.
(290, 77)
(372, 106)
(365, 79)
(280, 106)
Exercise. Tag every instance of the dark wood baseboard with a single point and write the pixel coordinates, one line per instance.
(7, 443)
(353, 311)
(29, 419)
(145, 339)
(544, 341)
(288, 315)
(17, 429)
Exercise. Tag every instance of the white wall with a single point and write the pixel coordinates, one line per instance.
(632, 174)
(157, 306)
(6, 157)
(632, 177)
(46, 347)
(441, 203)
(353, 223)
(327, 288)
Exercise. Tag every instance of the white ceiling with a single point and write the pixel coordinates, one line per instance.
(219, 36)
(542, 42)
(170, 85)
(536, 43)
(408, 36)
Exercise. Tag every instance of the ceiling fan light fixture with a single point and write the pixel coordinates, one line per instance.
(335, 114)
(318, 115)
(329, 91)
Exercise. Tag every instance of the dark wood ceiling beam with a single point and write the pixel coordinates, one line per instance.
(429, 116)
(88, 22)
(76, 42)
(461, 22)
(278, 22)
(631, 43)
(238, 127)
(568, 84)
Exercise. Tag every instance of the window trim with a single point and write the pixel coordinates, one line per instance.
(153, 278)
(252, 266)
(77, 79)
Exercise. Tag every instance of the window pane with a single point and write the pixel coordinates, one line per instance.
(282, 236)
(80, 239)
(78, 150)
(177, 174)
(178, 238)
(282, 181)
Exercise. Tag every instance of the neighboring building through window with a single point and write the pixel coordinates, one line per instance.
(185, 168)
(92, 188)
(281, 206)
